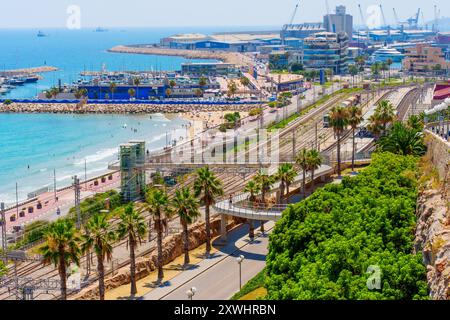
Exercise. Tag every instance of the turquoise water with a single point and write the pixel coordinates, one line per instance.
(32, 145)
(73, 51)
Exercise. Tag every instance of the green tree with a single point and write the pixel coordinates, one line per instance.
(244, 81)
(389, 63)
(415, 122)
(208, 187)
(99, 236)
(168, 92)
(172, 83)
(286, 175)
(354, 119)
(112, 89)
(133, 226)
(339, 122)
(266, 182)
(302, 161)
(202, 82)
(385, 113)
(187, 207)
(353, 70)
(314, 161)
(253, 188)
(3, 269)
(403, 140)
(61, 248)
(131, 92)
(157, 201)
(232, 88)
(137, 82)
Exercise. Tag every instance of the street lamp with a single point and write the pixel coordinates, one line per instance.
(191, 292)
(239, 260)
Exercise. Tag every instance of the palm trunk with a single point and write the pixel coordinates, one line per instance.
(304, 183)
(282, 186)
(160, 253)
(62, 275)
(262, 226)
(208, 231)
(186, 243)
(353, 150)
(312, 179)
(339, 154)
(251, 231)
(132, 268)
(101, 277)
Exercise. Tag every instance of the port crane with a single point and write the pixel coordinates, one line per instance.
(397, 22)
(291, 21)
(384, 18)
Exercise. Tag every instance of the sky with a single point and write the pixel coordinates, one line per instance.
(174, 13)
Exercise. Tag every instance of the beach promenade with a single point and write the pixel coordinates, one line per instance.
(66, 200)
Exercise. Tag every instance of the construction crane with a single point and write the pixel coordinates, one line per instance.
(330, 25)
(290, 22)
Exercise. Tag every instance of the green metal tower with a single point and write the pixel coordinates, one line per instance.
(132, 161)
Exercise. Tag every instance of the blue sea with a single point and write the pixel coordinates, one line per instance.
(33, 145)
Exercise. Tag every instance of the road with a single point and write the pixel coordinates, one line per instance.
(217, 278)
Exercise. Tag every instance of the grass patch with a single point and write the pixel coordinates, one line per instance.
(253, 289)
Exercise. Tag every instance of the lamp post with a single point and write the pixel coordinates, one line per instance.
(191, 292)
(239, 260)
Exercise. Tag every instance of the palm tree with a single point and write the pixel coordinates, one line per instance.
(314, 161)
(353, 70)
(187, 208)
(232, 89)
(403, 140)
(99, 236)
(137, 82)
(244, 81)
(253, 188)
(354, 119)
(112, 89)
(131, 92)
(172, 83)
(302, 161)
(62, 248)
(202, 82)
(338, 121)
(389, 62)
(208, 187)
(385, 113)
(375, 126)
(286, 175)
(266, 182)
(133, 226)
(157, 204)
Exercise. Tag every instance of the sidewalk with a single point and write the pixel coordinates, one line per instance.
(238, 243)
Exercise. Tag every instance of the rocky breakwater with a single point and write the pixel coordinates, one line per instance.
(117, 108)
(172, 248)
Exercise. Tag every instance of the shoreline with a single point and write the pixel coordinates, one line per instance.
(227, 57)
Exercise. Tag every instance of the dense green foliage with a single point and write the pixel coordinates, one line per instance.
(323, 246)
(2, 269)
(255, 283)
(95, 204)
(403, 140)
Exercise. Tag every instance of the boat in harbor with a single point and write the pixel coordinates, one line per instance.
(16, 81)
(385, 53)
(31, 78)
(41, 34)
(99, 29)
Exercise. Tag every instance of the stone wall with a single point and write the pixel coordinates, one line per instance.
(432, 236)
(172, 248)
(438, 152)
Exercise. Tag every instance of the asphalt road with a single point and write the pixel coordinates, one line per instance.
(220, 281)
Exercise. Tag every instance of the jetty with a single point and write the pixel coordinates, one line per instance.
(235, 58)
(32, 70)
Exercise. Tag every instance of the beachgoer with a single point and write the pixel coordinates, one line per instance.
(58, 211)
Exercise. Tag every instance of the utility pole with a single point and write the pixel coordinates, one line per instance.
(76, 187)
(54, 183)
(315, 137)
(3, 224)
